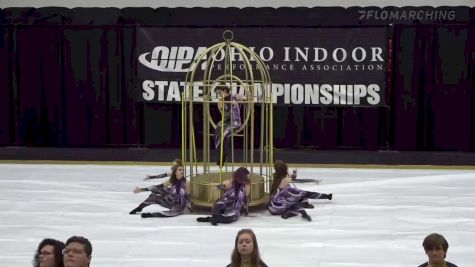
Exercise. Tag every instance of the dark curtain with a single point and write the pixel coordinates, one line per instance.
(67, 78)
(37, 85)
(69, 86)
(6, 99)
(433, 104)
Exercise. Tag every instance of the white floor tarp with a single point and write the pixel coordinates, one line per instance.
(377, 218)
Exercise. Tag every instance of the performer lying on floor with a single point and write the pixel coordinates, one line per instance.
(172, 194)
(287, 200)
(227, 208)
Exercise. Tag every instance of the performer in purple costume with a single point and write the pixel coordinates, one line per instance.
(172, 194)
(287, 200)
(232, 120)
(227, 208)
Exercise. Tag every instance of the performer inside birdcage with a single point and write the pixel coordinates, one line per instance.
(287, 200)
(229, 105)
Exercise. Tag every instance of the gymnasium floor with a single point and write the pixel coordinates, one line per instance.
(378, 217)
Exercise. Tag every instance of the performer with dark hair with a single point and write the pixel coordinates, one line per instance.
(176, 162)
(289, 201)
(172, 194)
(231, 121)
(227, 208)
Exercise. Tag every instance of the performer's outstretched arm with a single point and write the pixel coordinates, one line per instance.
(153, 188)
(162, 175)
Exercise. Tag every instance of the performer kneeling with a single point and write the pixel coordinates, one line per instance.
(172, 194)
(175, 162)
(232, 120)
(289, 201)
(227, 208)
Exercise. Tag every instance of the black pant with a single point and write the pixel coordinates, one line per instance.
(217, 214)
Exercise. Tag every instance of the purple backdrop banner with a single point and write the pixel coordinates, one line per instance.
(307, 66)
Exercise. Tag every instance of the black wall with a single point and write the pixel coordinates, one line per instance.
(67, 79)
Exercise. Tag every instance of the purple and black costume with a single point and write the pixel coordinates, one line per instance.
(228, 208)
(290, 201)
(232, 121)
(174, 197)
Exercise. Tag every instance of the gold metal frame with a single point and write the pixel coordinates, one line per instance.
(203, 180)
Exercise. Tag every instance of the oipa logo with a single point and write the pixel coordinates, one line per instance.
(170, 59)
(180, 58)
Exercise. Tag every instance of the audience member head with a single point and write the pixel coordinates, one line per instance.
(48, 254)
(77, 252)
(246, 249)
(435, 246)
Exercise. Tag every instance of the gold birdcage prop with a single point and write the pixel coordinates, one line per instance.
(239, 68)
